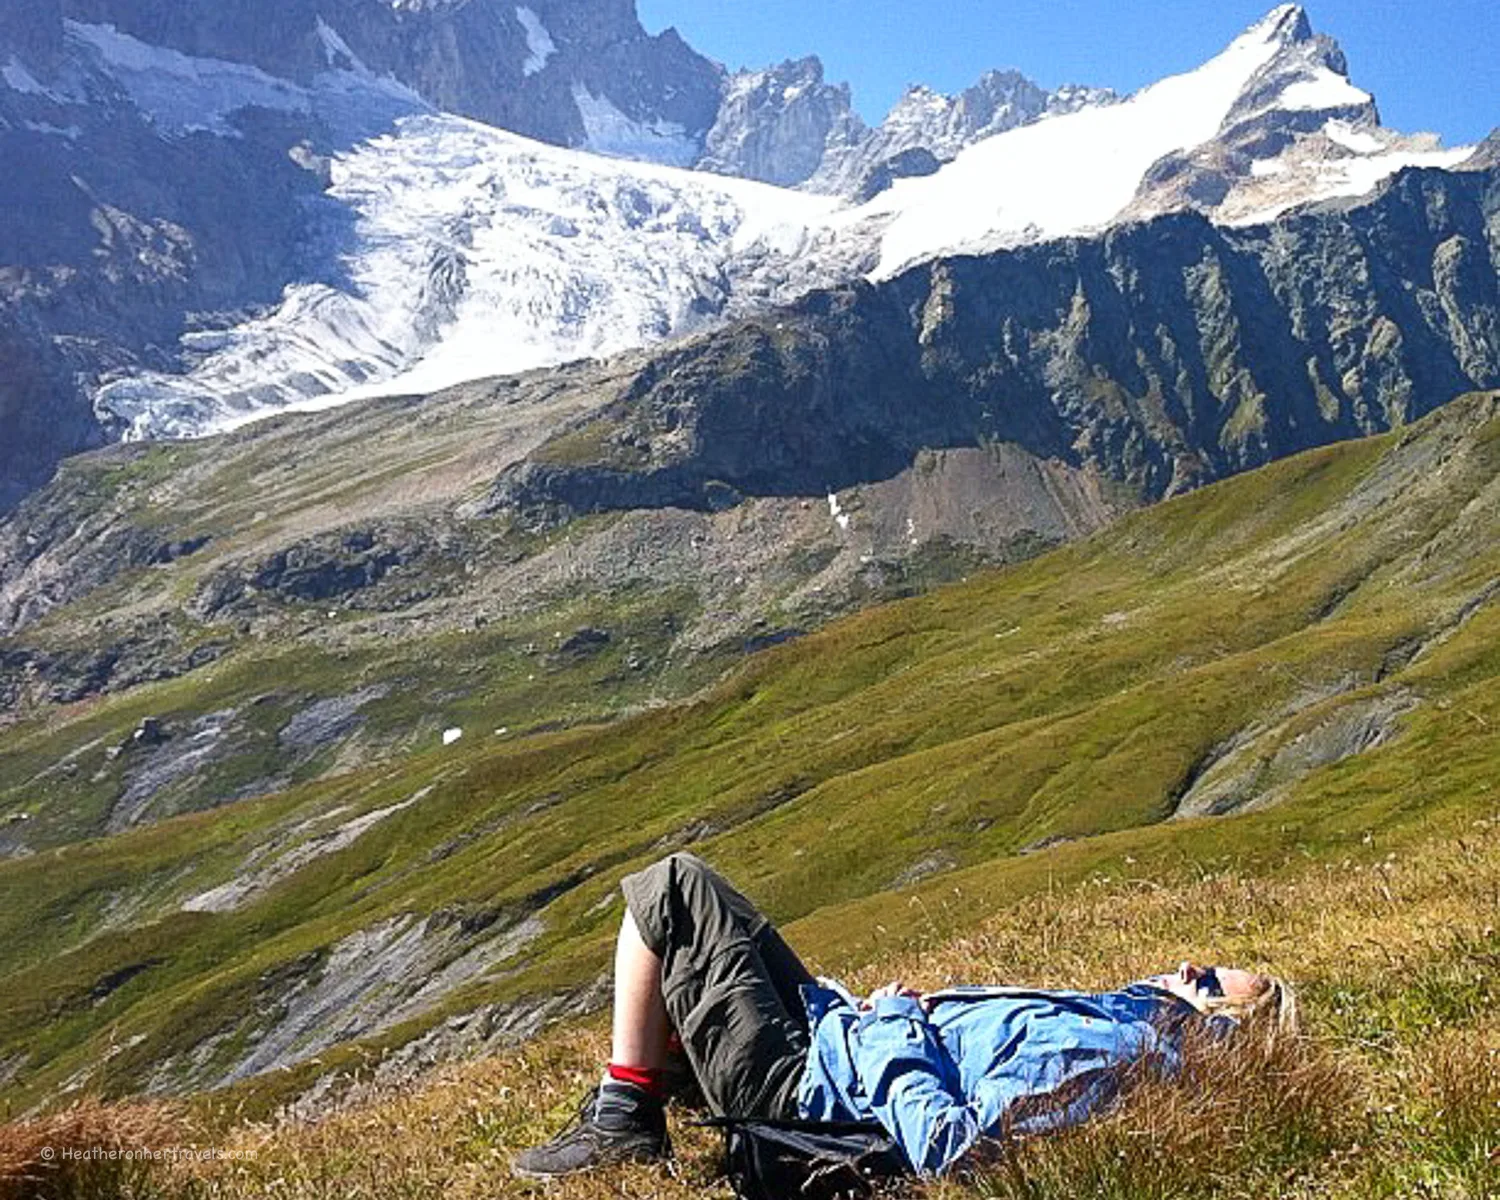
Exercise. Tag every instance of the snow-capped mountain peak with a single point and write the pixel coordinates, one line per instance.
(1286, 24)
(1300, 130)
(1187, 141)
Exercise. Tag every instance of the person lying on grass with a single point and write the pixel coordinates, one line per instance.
(696, 962)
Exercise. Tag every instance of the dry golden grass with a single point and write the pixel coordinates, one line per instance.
(1250, 1113)
(1393, 1090)
(92, 1149)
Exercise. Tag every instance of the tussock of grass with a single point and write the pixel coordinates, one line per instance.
(1441, 1104)
(93, 1150)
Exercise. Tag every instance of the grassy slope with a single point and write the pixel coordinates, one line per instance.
(1070, 698)
(1395, 1093)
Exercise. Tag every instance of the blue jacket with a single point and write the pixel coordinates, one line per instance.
(940, 1077)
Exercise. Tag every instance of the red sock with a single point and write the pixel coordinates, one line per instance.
(650, 1080)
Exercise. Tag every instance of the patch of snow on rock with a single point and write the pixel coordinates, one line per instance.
(19, 79)
(538, 41)
(182, 94)
(1326, 89)
(837, 512)
(1300, 180)
(1360, 141)
(610, 132)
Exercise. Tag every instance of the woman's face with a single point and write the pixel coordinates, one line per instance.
(1195, 984)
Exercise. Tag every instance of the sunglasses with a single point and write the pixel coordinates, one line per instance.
(1208, 982)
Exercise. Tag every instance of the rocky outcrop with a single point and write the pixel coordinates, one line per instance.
(44, 416)
(347, 567)
(782, 125)
(31, 677)
(1259, 766)
(1486, 155)
(913, 163)
(925, 122)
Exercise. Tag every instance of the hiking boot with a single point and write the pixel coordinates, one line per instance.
(617, 1122)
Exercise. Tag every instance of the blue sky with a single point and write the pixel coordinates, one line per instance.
(1432, 66)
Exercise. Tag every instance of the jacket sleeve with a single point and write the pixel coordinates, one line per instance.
(912, 1084)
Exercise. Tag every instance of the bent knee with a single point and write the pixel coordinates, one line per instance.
(686, 864)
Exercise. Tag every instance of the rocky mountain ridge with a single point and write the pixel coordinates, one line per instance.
(557, 71)
(786, 125)
(466, 251)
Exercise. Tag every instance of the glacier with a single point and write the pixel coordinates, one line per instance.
(480, 252)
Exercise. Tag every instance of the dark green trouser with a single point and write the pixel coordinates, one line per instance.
(732, 986)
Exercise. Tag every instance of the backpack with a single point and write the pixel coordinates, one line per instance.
(806, 1160)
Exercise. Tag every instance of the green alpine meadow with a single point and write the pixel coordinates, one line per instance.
(1258, 722)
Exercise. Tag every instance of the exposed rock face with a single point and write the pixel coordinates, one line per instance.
(942, 126)
(516, 66)
(43, 421)
(786, 125)
(33, 33)
(1486, 155)
(781, 124)
(114, 226)
(912, 163)
(1262, 764)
